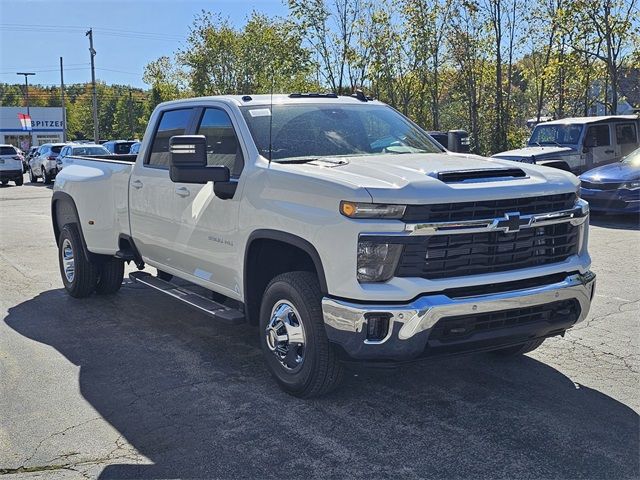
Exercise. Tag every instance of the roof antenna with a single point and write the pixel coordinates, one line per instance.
(271, 118)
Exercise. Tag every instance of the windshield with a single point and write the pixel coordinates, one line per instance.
(633, 158)
(556, 135)
(330, 130)
(96, 150)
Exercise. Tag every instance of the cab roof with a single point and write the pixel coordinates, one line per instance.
(278, 99)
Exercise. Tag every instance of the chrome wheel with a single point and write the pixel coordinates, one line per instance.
(68, 261)
(285, 335)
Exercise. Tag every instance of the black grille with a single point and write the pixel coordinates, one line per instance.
(463, 326)
(485, 209)
(445, 256)
(600, 186)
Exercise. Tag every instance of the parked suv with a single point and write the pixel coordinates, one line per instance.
(579, 144)
(10, 165)
(43, 164)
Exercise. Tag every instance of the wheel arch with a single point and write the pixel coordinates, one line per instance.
(294, 253)
(64, 211)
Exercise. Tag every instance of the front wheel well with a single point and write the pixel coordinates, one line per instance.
(266, 258)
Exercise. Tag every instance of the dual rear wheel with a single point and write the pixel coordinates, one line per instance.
(83, 276)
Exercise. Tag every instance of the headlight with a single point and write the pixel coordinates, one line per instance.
(377, 261)
(371, 210)
(631, 185)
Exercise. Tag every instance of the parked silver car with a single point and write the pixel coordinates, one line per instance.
(43, 164)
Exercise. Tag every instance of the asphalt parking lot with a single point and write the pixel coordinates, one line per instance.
(137, 386)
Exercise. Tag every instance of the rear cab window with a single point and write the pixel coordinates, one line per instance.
(122, 148)
(172, 122)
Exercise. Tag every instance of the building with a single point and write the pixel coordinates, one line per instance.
(47, 125)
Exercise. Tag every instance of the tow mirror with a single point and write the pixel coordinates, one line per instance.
(188, 161)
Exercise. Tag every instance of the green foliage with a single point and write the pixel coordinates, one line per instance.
(486, 66)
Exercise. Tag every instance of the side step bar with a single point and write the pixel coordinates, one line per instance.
(214, 309)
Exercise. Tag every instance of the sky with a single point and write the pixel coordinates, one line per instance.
(127, 35)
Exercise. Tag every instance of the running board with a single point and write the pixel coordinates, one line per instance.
(214, 309)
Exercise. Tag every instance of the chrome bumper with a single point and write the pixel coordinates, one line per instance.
(346, 321)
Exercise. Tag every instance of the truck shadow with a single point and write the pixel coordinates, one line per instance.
(194, 398)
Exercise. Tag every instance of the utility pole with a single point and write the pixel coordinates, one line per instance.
(26, 87)
(96, 137)
(64, 106)
(130, 116)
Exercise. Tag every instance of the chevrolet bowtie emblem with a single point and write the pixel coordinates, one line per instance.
(512, 222)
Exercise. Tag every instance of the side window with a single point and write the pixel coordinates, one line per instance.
(172, 122)
(222, 143)
(600, 134)
(626, 133)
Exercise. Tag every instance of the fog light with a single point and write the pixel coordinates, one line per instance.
(377, 326)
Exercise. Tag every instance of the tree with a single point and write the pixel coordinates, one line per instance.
(339, 36)
(266, 54)
(606, 30)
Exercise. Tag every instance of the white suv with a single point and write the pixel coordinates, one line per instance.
(10, 165)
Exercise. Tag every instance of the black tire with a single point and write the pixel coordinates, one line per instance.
(5, 182)
(32, 176)
(162, 275)
(19, 181)
(110, 275)
(46, 178)
(521, 349)
(85, 273)
(320, 371)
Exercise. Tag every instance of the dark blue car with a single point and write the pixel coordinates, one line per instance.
(613, 188)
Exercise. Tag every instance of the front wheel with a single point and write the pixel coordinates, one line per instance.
(46, 178)
(293, 337)
(79, 275)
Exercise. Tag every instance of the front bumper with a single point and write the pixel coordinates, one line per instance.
(612, 201)
(411, 325)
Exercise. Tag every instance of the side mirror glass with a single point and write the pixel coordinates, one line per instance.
(188, 161)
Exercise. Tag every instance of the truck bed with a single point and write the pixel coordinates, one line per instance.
(105, 178)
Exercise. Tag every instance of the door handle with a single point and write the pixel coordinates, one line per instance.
(183, 191)
(136, 184)
(608, 151)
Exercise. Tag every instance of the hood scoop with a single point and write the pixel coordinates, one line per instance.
(481, 175)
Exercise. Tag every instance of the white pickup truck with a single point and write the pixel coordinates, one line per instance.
(337, 226)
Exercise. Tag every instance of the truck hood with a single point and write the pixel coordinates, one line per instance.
(537, 152)
(614, 172)
(413, 178)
